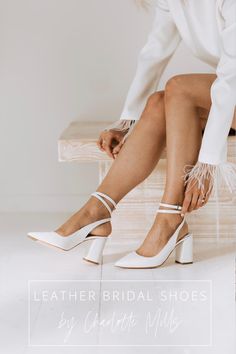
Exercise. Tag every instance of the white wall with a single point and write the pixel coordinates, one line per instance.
(62, 60)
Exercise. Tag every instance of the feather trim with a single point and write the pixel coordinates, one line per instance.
(123, 125)
(215, 175)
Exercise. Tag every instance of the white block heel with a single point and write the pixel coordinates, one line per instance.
(52, 238)
(95, 252)
(183, 253)
(184, 250)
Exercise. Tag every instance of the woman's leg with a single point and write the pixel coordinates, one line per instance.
(185, 97)
(134, 163)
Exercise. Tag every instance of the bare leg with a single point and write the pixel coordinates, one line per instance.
(184, 95)
(134, 163)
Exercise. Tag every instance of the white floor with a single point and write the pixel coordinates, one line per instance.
(26, 326)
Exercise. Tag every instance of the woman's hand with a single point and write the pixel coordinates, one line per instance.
(195, 197)
(111, 142)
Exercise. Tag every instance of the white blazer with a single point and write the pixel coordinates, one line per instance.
(208, 28)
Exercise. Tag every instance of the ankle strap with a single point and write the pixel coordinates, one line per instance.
(99, 196)
(171, 206)
(177, 208)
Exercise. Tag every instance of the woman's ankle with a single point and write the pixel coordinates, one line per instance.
(95, 208)
(171, 222)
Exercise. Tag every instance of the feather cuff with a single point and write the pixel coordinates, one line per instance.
(216, 176)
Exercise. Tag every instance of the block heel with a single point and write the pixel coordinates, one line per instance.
(95, 252)
(184, 250)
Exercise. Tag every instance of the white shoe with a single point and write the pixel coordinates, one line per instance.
(66, 243)
(183, 247)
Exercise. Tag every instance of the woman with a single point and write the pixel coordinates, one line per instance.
(173, 118)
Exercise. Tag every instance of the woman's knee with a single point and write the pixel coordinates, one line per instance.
(155, 100)
(177, 86)
(154, 107)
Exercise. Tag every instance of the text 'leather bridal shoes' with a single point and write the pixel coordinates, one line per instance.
(183, 247)
(68, 242)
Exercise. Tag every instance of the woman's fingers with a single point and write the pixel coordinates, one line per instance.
(207, 196)
(200, 201)
(107, 145)
(99, 143)
(108, 139)
(186, 202)
(204, 195)
(104, 142)
(195, 197)
(117, 148)
(188, 195)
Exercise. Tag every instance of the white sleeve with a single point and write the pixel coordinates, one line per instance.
(223, 93)
(152, 60)
(212, 160)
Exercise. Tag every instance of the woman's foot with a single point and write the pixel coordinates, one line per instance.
(92, 211)
(162, 229)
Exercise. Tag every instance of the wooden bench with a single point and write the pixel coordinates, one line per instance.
(135, 213)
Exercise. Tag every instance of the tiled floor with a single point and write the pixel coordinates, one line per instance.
(22, 260)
